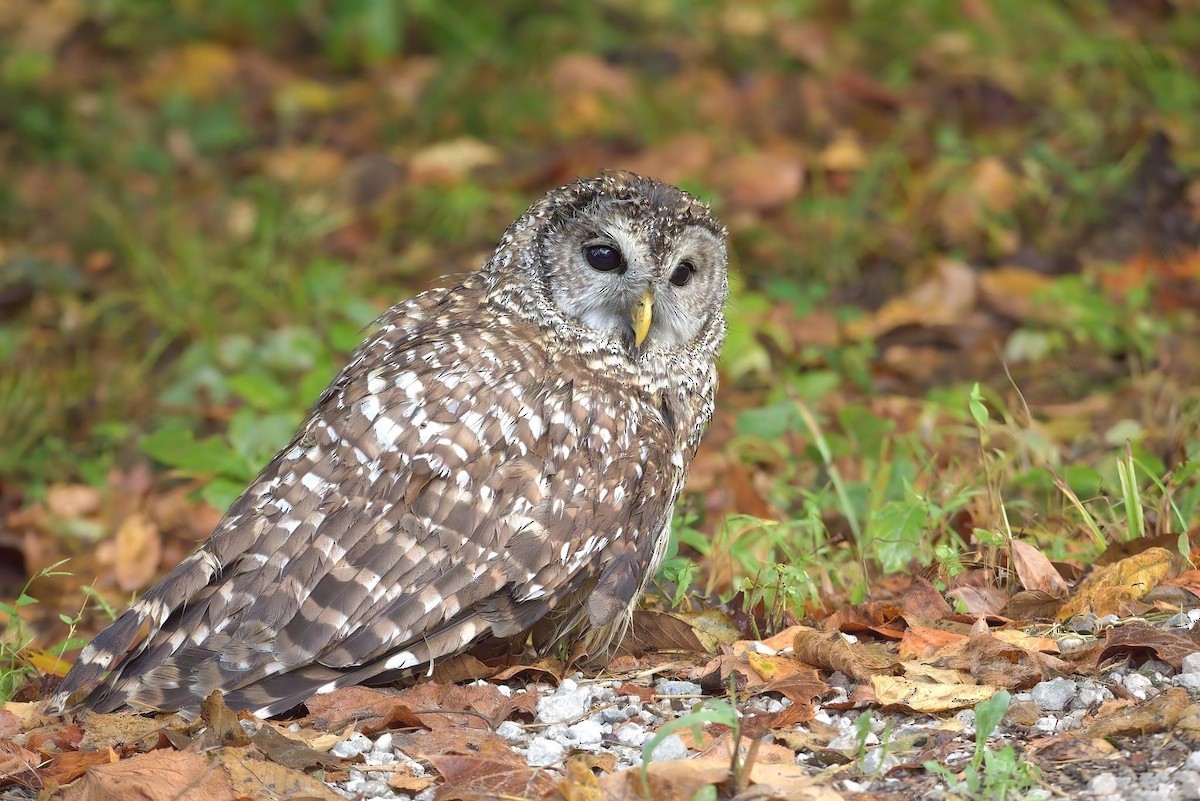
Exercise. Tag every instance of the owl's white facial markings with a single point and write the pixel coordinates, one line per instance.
(606, 301)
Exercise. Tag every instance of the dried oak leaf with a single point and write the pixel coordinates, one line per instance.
(859, 661)
(468, 778)
(1141, 640)
(157, 776)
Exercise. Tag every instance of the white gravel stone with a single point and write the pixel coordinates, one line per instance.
(383, 742)
(504, 690)
(677, 688)
(355, 744)
(1047, 724)
(1191, 663)
(544, 752)
(1054, 695)
(379, 758)
(1138, 685)
(1193, 761)
(1091, 695)
(1103, 784)
(566, 704)
(671, 747)
(586, 732)
(511, 730)
(377, 789)
(631, 734)
(615, 714)
(1188, 681)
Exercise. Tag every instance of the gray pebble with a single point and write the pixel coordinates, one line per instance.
(1053, 695)
(586, 732)
(352, 746)
(1193, 761)
(1083, 624)
(631, 734)
(670, 748)
(1047, 724)
(544, 752)
(379, 758)
(377, 789)
(564, 705)
(677, 688)
(1188, 681)
(1070, 643)
(511, 730)
(1191, 663)
(1103, 784)
(354, 784)
(1189, 780)
(1091, 695)
(615, 714)
(1138, 686)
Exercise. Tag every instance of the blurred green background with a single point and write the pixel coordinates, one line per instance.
(203, 202)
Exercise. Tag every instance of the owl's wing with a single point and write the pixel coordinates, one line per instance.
(444, 488)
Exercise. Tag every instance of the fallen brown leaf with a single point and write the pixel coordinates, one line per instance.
(831, 651)
(1108, 588)
(1161, 713)
(920, 696)
(67, 766)
(468, 778)
(1141, 640)
(1034, 570)
(138, 551)
(163, 775)
(253, 777)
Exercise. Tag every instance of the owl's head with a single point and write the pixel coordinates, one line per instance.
(626, 261)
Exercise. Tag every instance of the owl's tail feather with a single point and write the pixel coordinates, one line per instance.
(274, 694)
(277, 694)
(130, 632)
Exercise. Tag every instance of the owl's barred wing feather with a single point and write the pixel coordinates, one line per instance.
(445, 487)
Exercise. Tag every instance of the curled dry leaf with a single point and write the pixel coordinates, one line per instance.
(162, 775)
(921, 696)
(1035, 571)
(761, 181)
(452, 161)
(138, 551)
(860, 661)
(1159, 714)
(472, 778)
(946, 297)
(1108, 589)
(1142, 639)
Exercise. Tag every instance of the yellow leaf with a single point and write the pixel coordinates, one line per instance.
(1107, 589)
(48, 663)
(924, 697)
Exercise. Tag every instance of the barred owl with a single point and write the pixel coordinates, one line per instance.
(498, 456)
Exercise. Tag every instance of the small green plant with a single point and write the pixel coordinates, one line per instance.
(16, 659)
(990, 775)
(711, 711)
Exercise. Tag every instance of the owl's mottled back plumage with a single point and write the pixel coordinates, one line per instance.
(500, 453)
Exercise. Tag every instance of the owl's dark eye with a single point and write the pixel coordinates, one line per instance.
(683, 273)
(604, 258)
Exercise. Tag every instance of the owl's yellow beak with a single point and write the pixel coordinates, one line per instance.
(642, 314)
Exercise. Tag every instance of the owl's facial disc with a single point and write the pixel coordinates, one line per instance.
(651, 287)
